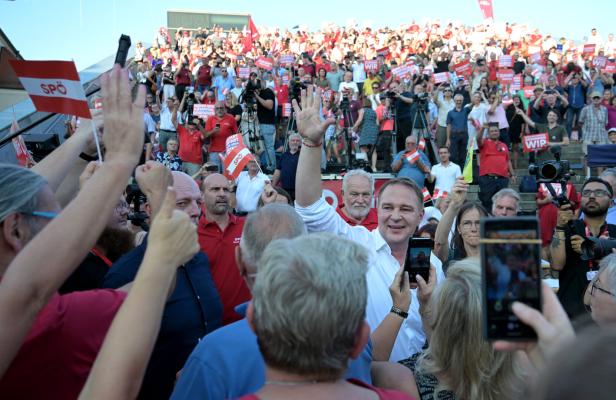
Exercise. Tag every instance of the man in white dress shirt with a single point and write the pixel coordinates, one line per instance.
(249, 186)
(399, 208)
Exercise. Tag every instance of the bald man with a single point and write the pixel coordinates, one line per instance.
(219, 234)
(218, 128)
(194, 308)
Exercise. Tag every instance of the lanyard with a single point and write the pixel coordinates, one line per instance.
(603, 234)
(100, 255)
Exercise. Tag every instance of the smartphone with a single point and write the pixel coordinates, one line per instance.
(511, 271)
(212, 168)
(417, 261)
(122, 53)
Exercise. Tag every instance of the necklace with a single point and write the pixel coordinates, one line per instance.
(290, 383)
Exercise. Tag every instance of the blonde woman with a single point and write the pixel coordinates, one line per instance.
(233, 107)
(458, 362)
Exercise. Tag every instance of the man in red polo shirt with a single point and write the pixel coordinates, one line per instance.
(191, 139)
(495, 167)
(218, 128)
(357, 193)
(219, 234)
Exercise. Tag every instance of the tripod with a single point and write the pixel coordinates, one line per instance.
(424, 132)
(251, 134)
(390, 114)
(348, 139)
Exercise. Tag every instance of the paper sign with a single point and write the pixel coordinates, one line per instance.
(203, 111)
(265, 63)
(429, 70)
(516, 84)
(589, 49)
(610, 67)
(505, 76)
(371, 65)
(383, 52)
(287, 59)
(535, 142)
(422, 144)
(463, 68)
(599, 62)
(243, 72)
(528, 91)
(441, 77)
(401, 71)
(286, 109)
(285, 79)
(412, 157)
(233, 141)
(505, 62)
(426, 195)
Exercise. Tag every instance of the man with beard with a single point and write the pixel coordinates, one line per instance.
(219, 234)
(566, 247)
(357, 192)
(193, 309)
(116, 240)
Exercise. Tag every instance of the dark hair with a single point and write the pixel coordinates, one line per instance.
(458, 242)
(427, 228)
(599, 180)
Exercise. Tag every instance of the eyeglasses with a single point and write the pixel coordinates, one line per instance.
(42, 214)
(595, 193)
(594, 288)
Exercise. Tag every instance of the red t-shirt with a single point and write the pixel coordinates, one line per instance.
(220, 249)
(494, 158)
(190, 145)
(204, 76)
(383, 394)
(57, 355)
(228, 126)
(282, 94)
(183, 77)
(371, 221)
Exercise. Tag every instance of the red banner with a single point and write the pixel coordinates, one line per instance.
(505, 62)
(487, 10)
(589, 49)
(371, 65)
(265, 63)
(383, 52)
(528, 91)
(463, 68)
(539, 141)
(610, 67)
(505, 76)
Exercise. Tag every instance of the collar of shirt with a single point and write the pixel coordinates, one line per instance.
(232, 220)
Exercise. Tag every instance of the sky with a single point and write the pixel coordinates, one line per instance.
(88, 30)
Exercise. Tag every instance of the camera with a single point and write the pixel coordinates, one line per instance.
(595, 249)
(135, 196)
(248, 95)
(421, 98)
(296, 86)
(553, 171)
(190, 102)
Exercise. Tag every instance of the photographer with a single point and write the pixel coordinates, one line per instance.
(403, 101)
(576, 269)
(218, 128)
(266, 115)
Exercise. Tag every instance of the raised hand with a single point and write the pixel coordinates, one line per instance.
(123, 133)
(154, 179)
(309, 123)
(458, 192)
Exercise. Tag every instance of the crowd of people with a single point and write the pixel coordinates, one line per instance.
(188, 284)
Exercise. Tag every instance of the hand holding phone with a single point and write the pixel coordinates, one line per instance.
(400, 290)
(417, 261)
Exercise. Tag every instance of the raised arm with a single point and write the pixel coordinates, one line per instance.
(119, 368)
(26, 287)
(312, 129)
(528, 121)
(441, 237)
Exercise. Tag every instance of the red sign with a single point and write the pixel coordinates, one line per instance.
(463, 68)
(535, 142)
(265, 63)
(505, 62)
(412, 157)
(599, 62)
(53, 86)
(235, 161)
(243, 72)
(371, 65)
(383, 52)
(286, 109)
(516, 84)
(287, 59)
(610, 67)
(441, 77)
(589, 49)
(528, 91)
(505, 76)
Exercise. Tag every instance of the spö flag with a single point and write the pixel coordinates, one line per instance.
(53, 86)
(467, 173)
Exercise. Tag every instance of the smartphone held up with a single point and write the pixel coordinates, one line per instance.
(511, 271)
(417, 261)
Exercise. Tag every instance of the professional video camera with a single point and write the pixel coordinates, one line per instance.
(248, 95)
(190, 102)
(135, 196)
(595, 249)
(421, 99)
(295, 88)
(553, 171)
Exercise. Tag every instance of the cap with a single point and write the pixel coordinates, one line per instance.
(595, 94)
(611, 130)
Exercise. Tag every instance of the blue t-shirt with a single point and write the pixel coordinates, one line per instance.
(227, 364)
(412, 171)
(288, 167)
(221, 84)
(193, 310)
(458, 119)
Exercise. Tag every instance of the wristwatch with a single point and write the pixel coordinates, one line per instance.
(399, 312)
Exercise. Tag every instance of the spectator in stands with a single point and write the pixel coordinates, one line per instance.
(609, 175)
(348, 87)
(442, 97)
(495, 168)
(204, 76)
(266, 114)
(445, 173)
(576, 96)
(233, 107)
(191, 137)
(551, 100)
(575, 273)
(506, 203)
(285, 172)
(167, 128)
(416, 169)
(222, 84)
(547, 210)
(462, 365)
(368, 129)
(357, 196)
(384, 113)
(193, 308)
(248, 187)
(601, 295)
(457, 131)
(218, 128)
(593, 119)
(219, 234)
(170, 158)
(334, 76)
(516, 126)
(183, 79)
(400, 209)
(557, 135)
(497, 115)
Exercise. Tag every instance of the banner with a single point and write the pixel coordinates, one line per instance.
(426, 195)
(287, 59)
(463, 68)
(516, 84)
(286, 110)
(422, 144)
(265, 63)
(589, 49)
(539, 141)
(21, 151)
(599, 62)
(487, 10)
(610, 67)
(53, 86)
(243, 72)
(467, 171)
(233, 141)
(203, 111)
(505, 76)
(505, 62)
(383, 52)
(371, 65)
(528, 91)
(441, 77)
(401, 71)
(235, 161)
(438, 194)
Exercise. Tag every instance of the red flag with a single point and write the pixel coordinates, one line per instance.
(251, 36)
(422, 144)
(412, 157)
(53, 86)
(235, 161)
(426, 195)
(233, 141)
(23, 156)
(487, 10)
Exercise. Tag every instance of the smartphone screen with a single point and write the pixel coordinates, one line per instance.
(417, 260)
(510, 264)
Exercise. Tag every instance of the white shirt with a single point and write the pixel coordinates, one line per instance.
(165, 119)
(382, 268)
(248, 190)
(445, 176)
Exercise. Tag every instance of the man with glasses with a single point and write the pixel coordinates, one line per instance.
(569, 234)
(601, 293)
(218, 128)
(415, 170)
